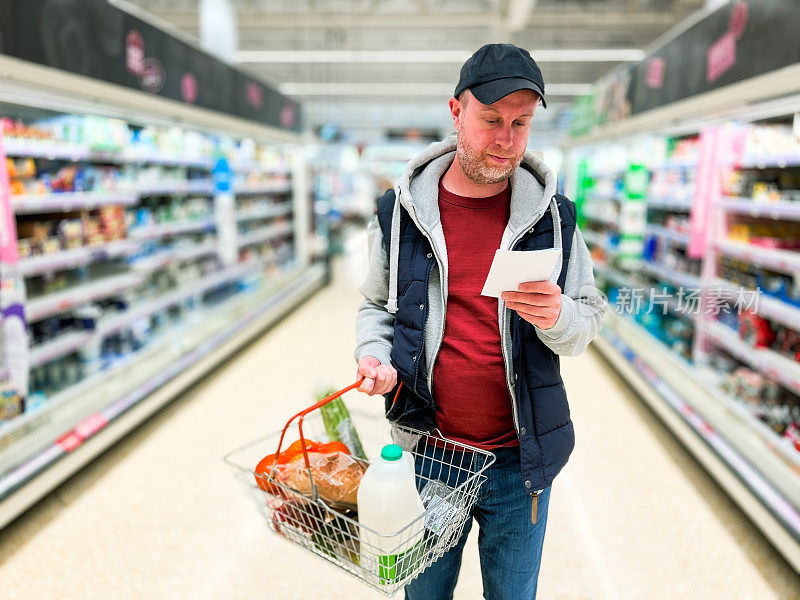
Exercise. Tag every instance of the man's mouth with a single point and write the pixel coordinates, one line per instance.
(500, 159)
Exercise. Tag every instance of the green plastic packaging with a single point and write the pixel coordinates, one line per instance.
(339, 426)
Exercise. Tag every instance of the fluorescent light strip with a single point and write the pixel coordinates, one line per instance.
(429, 56)
(408, 89)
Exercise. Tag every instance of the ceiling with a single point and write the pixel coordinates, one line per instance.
(376, 65)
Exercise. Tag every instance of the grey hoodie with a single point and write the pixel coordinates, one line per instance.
(417, 190)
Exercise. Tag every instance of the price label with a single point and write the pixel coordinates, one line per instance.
(69, 441)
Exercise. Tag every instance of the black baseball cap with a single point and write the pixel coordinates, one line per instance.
(497, 70)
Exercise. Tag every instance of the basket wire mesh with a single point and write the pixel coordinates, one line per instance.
(448, 477)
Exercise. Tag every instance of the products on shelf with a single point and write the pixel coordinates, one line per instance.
(764, 186)
(781, 235)
(777, 407)
(755, 330)
(73, 230)
(11, 403)
(685, 149)
(169, 168)
(766, 141)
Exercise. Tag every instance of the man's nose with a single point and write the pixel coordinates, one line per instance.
(505, 138)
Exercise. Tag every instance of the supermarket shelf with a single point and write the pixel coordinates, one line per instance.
(126, 319)
(76, 257)
(680, 163)
(255, 167)
(61, 346)
(29, 204)
(272, 211)
(54, 150)
(609, 173)
(766, 306)
(51, 304)
(148, 157)
(676, 237)
(758, 480)
(770, 162)
(673, 203)
(783, 370)
(605, 196)
(598, 218)
(30, 481)
(198, 186)
(785, 261)
(614, 276)
(150, 232)
(772, 210)
(165, 258)
(262, 235)
(596, 239)
(271, 188)
(671, 276)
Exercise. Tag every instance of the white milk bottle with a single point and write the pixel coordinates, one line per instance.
(387, 502)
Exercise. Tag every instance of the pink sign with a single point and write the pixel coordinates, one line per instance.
(189, 87)
(134, 53)
(288, 114)
(8, 226)
(255, 96)
(721, 56)
(722, 53)
(655, 72)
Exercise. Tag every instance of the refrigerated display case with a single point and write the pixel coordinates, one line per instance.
(143, 240)
(704, 321)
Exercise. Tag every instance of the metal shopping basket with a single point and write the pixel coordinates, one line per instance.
(448, 476)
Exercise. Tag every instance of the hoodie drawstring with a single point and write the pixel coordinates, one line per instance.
(557, 241)
(394, 254)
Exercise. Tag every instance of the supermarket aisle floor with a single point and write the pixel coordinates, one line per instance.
(160, 516)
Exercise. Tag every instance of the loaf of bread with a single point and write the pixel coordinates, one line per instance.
(336, 475)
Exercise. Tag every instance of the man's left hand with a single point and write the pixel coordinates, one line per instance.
(538, 302)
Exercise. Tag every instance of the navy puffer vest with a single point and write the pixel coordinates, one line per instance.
(545, 429)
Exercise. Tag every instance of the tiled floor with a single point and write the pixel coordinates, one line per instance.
(160, 516)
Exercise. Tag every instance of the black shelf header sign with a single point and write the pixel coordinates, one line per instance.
(742, 39)
(98, 40)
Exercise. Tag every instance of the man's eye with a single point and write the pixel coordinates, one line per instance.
(520, 124)
(491, 122)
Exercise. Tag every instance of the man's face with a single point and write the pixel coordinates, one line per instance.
(492, 137)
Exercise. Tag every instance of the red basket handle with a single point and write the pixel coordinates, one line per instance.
(301, 415)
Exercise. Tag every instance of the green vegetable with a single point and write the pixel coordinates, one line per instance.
(339, 425)
(338, 539)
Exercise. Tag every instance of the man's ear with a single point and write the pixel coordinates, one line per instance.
(456, 111)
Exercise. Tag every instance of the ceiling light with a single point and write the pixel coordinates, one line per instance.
(430, 56)
(408, 89)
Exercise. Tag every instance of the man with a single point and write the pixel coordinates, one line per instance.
(484, 372)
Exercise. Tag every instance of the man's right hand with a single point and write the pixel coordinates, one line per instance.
(379, 379)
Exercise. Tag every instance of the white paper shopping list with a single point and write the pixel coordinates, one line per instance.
(512, 267)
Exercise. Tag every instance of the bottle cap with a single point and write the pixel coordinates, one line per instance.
(391, 452)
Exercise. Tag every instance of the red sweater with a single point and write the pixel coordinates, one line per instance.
(473, 404)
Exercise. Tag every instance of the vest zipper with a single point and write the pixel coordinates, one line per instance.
(438, 262)
(507, 361)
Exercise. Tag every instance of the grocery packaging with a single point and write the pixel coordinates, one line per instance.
(339, 425)
(335, 472)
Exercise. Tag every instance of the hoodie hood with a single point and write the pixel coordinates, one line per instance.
(533, 186)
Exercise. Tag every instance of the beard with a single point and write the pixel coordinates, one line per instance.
(474, 163)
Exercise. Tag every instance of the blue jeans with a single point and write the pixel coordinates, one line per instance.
(510, 546)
